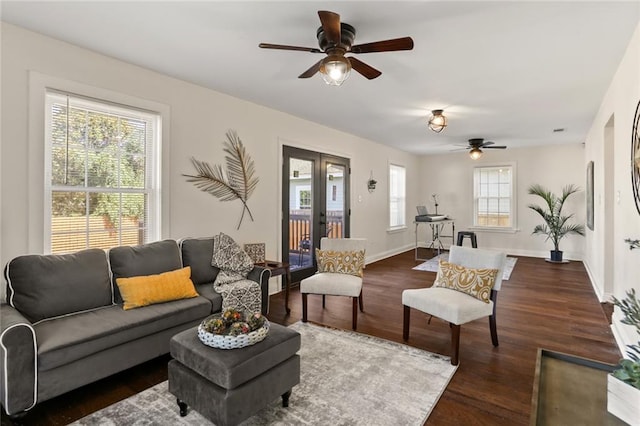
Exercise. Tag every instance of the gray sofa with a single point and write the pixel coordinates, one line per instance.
(63, 325)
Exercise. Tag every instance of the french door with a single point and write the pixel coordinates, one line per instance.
(315, 204)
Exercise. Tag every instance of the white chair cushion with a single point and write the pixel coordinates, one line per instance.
(332, 284)
(450, 305)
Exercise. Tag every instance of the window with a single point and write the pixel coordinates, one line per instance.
(101, 186)
(494, 198)
(305, 199)
(397, 196)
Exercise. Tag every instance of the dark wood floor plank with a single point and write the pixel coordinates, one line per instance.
(542, 305)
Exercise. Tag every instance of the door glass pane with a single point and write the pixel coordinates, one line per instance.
(335, 205)
(301, 250)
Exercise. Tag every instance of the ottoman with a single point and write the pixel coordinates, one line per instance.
(228, 386)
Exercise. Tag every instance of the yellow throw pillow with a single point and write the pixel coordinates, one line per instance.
(474, 282)
(147, 290)
(341, 262)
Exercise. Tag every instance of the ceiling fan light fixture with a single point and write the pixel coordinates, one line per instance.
(335, 69)
(437, 121)
(475, 153)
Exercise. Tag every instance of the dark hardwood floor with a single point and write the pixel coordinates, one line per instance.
(542, 305)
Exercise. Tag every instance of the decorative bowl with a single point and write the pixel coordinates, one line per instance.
(227, 341)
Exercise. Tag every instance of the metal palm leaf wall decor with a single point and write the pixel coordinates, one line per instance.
(237, 182)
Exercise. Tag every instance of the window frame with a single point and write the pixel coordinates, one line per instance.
(149, 189)
(300, 189)
(513, 227)
(401, 200)
(39, 213)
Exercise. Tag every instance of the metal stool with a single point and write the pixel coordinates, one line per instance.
(471, 235)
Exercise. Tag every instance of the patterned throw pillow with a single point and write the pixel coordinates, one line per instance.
(341, 262)
(474, 282)
(233, 262)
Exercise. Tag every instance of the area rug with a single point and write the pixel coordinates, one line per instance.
(431, 265)
(346, 378)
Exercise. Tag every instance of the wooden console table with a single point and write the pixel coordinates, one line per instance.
(569, 390)
(280, 268)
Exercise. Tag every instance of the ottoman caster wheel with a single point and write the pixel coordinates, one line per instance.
(285, 398)
(183, 407)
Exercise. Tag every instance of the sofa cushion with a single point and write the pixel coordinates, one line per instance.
(147, 259)
(45, 286)
(197, 252)
(66, 339)
(207, 290)
(150, 289)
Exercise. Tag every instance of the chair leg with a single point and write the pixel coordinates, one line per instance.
(492, 319)
(323, 301)
(354, 321)
(455, 343)
(405, 323)
(361, 303)
(304, 307)
(494, 331)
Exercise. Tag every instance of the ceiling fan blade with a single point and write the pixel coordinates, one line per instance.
(495, 147)
(366, 70)
(285, 47)
(331, 26)
(311, 71)
(404, 43)
(487, 143)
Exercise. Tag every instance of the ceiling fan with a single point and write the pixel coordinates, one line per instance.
(475, 144)
(335, 39)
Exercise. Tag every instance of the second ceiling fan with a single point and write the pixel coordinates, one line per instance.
(335, 39)
(476, 143)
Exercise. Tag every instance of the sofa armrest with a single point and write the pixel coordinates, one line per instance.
(261, 276)
(18, 355)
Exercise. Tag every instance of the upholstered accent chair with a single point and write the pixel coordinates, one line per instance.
(345, 281)
(454, 306)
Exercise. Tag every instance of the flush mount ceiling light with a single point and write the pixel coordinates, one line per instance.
(475, 153)
(437, 121)
(335, 69)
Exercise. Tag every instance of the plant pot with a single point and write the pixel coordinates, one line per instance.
(556, 255)
(623, 401)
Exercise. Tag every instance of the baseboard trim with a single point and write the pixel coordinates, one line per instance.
(618, 335)
(386, 254)
(602, 296)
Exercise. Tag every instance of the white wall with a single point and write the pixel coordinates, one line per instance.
(199, 119)
(451, 177)
(620, 103)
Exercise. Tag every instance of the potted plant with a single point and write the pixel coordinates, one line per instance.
(623, 385)
(555, 226)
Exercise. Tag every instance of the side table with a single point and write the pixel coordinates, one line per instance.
(284, 269)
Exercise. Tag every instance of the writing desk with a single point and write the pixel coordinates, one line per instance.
(437, 228)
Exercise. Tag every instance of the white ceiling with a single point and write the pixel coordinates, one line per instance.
(510, 72)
